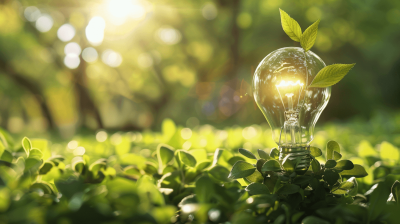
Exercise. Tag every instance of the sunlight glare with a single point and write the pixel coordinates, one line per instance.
(122, 9)
(95, 30)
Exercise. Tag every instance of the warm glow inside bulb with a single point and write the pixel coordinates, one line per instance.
(283, 83)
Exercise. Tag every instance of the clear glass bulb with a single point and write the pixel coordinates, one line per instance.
(280, 91)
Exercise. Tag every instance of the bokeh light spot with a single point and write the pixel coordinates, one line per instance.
(209, 11)
(44, 23)
(169, 35)
(66, 32)
(72, 61)
(72, 49)
(111, 58)
(32, 13)
(101, 136)
(95, 30)
(90, 54)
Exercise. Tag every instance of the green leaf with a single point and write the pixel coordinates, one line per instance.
(241, 169)
(46, 167)
(357, 171)
(98, 165)
(287, 164)
(204, 189)
(274, 154)
(353, 192)
(290, 26)
(343, 188)
(396, 191)
(271, 165)
(263, 154)
(330, 163)
(257, 188)
(187, 159)
(259, 164)
(336, 156)
(289, 189)
(27, 145)
(202, 165)
(344, 165)
(220, 173)
(313, 220)
(234, 159)
(331, 177)
(314, 151)
(307, 40)
(32, 163)
(7, 156)
(315, 165)
(36, 153)
(164, 155)
(378, 200)
(247, 153)
(331, 146)
(256, 177)
(330, 75)
(302, 179)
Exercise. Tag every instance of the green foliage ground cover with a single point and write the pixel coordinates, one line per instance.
(203, 175)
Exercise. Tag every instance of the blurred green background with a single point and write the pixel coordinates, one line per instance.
(129, 64)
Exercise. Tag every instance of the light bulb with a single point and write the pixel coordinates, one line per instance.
(291, 109)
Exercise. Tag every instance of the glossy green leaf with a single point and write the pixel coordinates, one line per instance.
(331, 177)
(241, 169)
(314, 151)
(289, 189)
(247, 153)
(234, 159)
(36, 153)
(353, 192)
(47, 166)
(344, 165)
(330, 163)
(357, 171)
(220, 173)
(307, 40)
(7, 156)
(271, 165)
(204, 189)
(343, 188)
(288, 165)
(203, 165)
(27, 145)
(274, 153)
(256, 177)
(313, 220)
(32, 163)
(187, 159)
(331, 146)
(263, 154)
(290, 26)
(336, 156)
(164, 155)
(330, 75)
(259, 164)
(396, 191)
(257, 188)
(315, 166)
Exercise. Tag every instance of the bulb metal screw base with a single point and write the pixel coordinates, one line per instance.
(296, 152)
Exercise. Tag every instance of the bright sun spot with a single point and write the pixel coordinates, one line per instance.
(95, 30)
(122, 9)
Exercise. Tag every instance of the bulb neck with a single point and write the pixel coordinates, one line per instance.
(302, 152)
